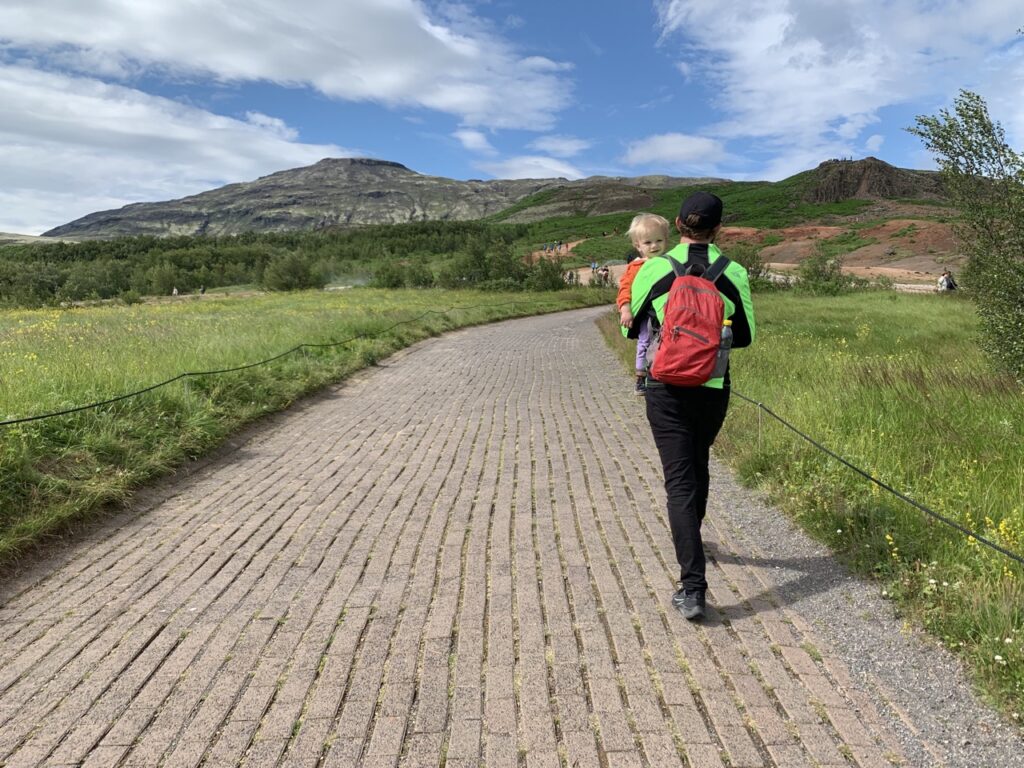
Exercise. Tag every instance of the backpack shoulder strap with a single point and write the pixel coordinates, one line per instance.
(715, 270)
(676, 266)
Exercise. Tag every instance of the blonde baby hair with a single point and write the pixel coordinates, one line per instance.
(647, 222)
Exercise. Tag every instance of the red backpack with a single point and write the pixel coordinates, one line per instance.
(692, 327)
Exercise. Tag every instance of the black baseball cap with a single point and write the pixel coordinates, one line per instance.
(706, 206)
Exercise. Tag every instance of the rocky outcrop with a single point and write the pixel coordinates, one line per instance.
(836, 180)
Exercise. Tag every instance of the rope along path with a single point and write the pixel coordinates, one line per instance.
(885, 486)
(297, 348)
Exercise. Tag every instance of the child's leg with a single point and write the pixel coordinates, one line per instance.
(643, 341)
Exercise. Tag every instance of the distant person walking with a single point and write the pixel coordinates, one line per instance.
(685, 420)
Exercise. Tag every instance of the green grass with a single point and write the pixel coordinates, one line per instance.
(844, 243)
(896, 384)
(538, 198)
(748, 204)
(764, 205)
(229, 290)
(908, 231)
(570, 228)
(60, 470)
(759, 204)
(602, 249)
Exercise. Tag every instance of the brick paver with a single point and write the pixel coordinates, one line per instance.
(457, 558)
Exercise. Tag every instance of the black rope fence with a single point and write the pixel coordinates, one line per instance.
(918, 505)
(297, 348)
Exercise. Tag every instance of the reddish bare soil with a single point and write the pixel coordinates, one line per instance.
(908, 251)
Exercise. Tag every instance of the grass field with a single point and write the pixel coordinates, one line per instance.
(612, 248)
(895, 384)
(747, 204)
(59, 470)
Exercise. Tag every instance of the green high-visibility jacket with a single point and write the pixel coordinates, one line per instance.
(649, 294)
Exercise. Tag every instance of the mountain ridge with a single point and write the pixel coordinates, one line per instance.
(344, 192)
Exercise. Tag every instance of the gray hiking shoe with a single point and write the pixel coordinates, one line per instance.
(691, 604)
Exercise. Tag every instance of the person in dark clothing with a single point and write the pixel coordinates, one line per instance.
(686, 420)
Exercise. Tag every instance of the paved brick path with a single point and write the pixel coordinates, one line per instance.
(459, 558)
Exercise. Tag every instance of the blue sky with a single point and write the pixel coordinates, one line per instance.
(109, 102)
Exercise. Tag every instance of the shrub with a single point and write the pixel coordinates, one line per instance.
(291, 272)
(984, 178)
(501, 284)
(545, 275)
(418, 275)
(821, 274)
(390, 274)
(162, 279)
(749, 257)
(884, 283)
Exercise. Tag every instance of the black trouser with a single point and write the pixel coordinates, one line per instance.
(685, 422)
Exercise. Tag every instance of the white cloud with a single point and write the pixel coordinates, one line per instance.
(874, 143)
(274, 125)
(560, 146)
(531, 167)
(797, 74)
(474, 141)
(675, 150)
(73, 145)
(392, 52)
(658, 102)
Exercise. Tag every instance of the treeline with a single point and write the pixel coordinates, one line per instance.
(452, 254)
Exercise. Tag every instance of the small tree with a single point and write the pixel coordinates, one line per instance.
(821, 274)
(418, 274)
(749, 257)
(290, 272)
(545, 275)
(389, 275)
(162, 278)
(984, 178)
